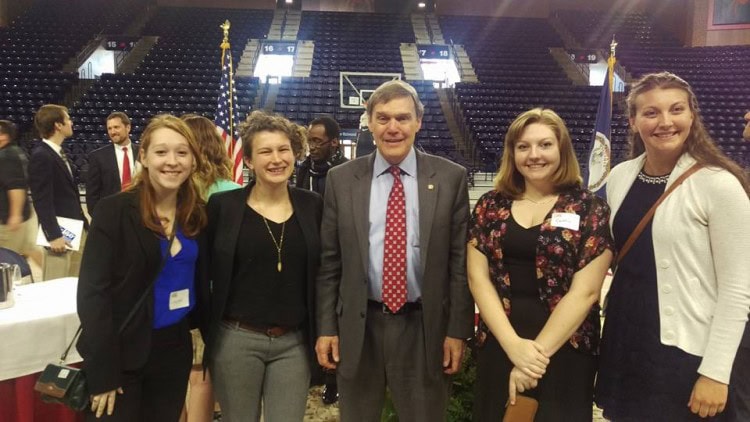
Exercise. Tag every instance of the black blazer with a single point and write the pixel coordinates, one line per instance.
(225, 211)
(103, 176)
(121, 259)
(53, 190)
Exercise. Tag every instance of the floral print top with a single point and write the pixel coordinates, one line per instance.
(560, 253)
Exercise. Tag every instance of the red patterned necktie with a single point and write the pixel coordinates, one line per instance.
(125, 169)
(394, 246)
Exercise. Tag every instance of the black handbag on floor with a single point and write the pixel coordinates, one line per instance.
(67, 385)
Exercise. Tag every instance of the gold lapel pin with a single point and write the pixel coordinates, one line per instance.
(430, 187)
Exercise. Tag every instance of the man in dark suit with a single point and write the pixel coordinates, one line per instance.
(111, 168)
(54, 192)
(393, 302)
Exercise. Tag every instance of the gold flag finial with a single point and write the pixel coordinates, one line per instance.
(612, 46)
(225, 26)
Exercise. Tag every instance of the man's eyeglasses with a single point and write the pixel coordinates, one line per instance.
(318, 143)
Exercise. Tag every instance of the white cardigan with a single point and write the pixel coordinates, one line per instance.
(701, 236)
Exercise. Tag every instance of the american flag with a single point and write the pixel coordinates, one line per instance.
(227, 114)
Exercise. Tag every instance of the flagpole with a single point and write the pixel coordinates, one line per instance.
(225, 118)
(230, 84)
(611, 65)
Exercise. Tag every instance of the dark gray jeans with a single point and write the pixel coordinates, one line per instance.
(250, 368)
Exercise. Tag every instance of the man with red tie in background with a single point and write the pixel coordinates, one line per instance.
(111, 168)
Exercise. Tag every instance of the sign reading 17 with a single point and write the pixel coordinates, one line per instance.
(279, 48)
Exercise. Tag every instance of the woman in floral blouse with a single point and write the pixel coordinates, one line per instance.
(539, 249)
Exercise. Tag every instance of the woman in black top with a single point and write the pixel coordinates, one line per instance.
(539, 249)
(262, 259)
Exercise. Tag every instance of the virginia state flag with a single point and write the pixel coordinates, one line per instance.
(601, 151)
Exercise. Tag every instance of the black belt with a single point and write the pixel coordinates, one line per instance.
(274, 331)
(407, 308)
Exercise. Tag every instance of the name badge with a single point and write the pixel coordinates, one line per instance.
(566, 219)
(179, 299)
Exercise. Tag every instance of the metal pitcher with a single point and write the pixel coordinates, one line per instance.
(6, 285)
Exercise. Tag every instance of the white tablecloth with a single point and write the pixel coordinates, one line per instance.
(38, 328)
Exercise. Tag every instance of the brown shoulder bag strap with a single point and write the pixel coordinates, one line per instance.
(650, 214)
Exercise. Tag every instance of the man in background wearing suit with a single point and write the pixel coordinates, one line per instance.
(393, 304)
(111, 168)
(54, 192)
(325, 154)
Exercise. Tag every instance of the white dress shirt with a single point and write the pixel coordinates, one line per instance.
(120, 155)
(58, 150)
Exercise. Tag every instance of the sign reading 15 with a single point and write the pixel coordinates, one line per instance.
(119, 44)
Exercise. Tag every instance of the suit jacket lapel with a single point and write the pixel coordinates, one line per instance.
(428, 193)
(306, 222)
(60, 163)
(135, 161)
(148, 239)
(231, 221)
(309, 227)
(360, 198)
(115, 171)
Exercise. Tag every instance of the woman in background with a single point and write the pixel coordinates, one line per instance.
(143, 236)
(539, 248)
(216, 176)
(680, 297)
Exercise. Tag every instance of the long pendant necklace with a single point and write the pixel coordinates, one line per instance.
(278, 244)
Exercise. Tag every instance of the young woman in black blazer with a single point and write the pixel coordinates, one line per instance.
(140, 374)
(263, 252)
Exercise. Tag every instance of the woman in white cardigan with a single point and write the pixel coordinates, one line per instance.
(680, 297)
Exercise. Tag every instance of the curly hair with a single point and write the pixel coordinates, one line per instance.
(331, 126)
(699, 143)
(216, 162)
(509, 180)
(261, 121)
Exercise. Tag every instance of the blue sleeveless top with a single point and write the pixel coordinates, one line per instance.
(176, 280)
